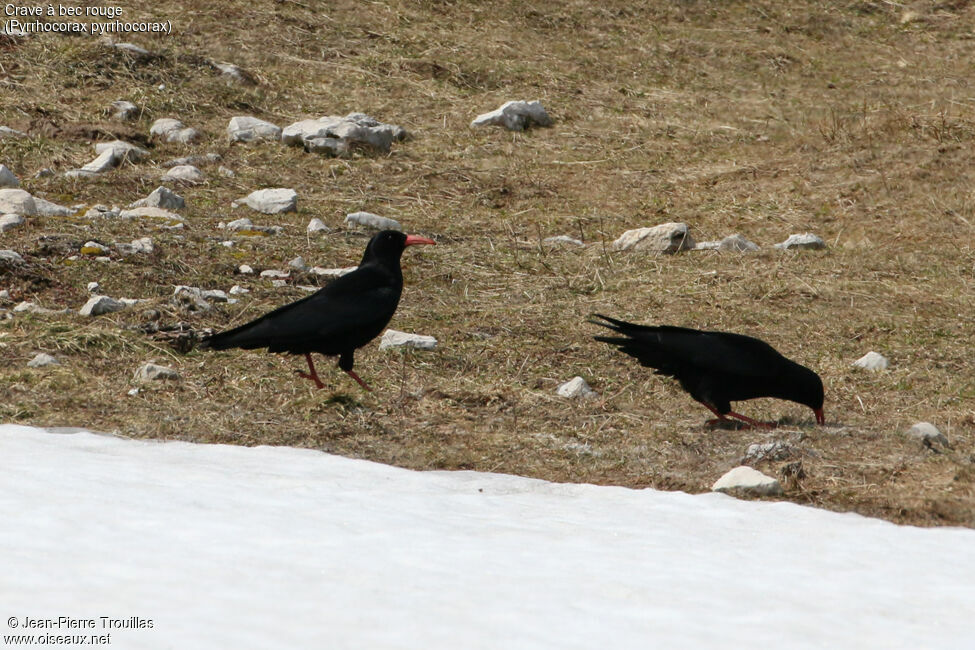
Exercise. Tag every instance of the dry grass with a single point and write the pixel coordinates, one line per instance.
(852, 120)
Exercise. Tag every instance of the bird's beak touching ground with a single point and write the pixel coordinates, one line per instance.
(820, 418)
(413, 239)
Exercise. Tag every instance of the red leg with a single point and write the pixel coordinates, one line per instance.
(715, 421)
(310, 375)
(754, 423)
(356, 377)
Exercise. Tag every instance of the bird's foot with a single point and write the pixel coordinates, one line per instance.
(753, 423)
(314, 378)
(358, 379)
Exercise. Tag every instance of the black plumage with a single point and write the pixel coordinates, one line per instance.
(336, 320)
(718, 368)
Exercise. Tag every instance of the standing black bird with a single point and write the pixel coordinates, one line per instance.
(344, 315)
(718, 368)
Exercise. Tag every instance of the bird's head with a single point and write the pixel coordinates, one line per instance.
(389, 245)
(806, 388)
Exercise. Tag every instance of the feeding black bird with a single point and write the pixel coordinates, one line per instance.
(337, 319)
(718, 368)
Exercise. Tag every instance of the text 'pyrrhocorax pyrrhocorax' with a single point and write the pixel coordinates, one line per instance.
(344, 315)
(718, 368)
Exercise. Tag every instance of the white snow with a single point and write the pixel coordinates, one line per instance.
(233, 547)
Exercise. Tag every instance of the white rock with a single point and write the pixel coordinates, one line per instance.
(334, 273)
(237, 290)
(161, 197)
(872, 361)
(44, 172)
(124, 110)
(396, 339)
(338, 135)
(775, 450)
(370, 220)
(150, 213)
(737, 244)
(194, 159)
(141, 246)
(515, 116)
(10, 221)
(93, 287)
(317, 225)
(245, 269)
(8, 255)
(124, 151)
(747, 480)
(228, 243)
(272, 201)
(226, 172)
(4, 294)
(100, 211)
(665, 238)
(45, 208)
(248, 129)
(298, 264)
(233, 72)
(184, 174)
(279, 283)
(152, 372)
(274, 273)
(8, 178)
(94, 248)
(558, 240)
(98, 305)
(927, 433)
(106, 161)
(172, 130)
(805, 240)
(132, 50)
(7, 132)
(240, 224)
(43, 359)
(13, 201)
(576, 388)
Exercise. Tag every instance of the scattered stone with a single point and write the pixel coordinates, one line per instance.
(8, 178)
(136, 52)
(338, 136)
(575, 388)
(216, 295)
(515, 116)
(370, 220)
(558, 240)
(928, 434)
(124, 110)
(161, 197)
(105, 161)
(747, 480)
(41, 360)
(272, 201)
(133, 392)
(141, 246)
(184, 174)
(244, 226)
(805, 240)
(298, 264)
(100, 211)
(45, 208)
(245, 269)
(4, 294)
(10, 256)
(665, 238)
(45, 172)
(172, 130)
(274, 273)
(248, 129)
(93, 287)
(152, 372)
(124, 151)
(317, 225)
(872, 361)
(151, 213)
(7, 132)
(94, 248)
(98, 305)
(228, 243)
(396, 339)
(333, 273)
(772, 451)
(194, 159)
(10, 221)
(279, 283)
(237, 290)
(734, 243)
(13, 201)
(226, 172)
(234, 73)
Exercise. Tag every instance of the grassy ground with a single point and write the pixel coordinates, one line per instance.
(852, 120)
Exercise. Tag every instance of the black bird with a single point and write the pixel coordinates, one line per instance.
(718, 368)
(344, 315)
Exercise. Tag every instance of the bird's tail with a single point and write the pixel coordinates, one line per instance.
(243, 337)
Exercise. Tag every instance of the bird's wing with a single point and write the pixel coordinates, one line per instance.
(671, 350)
(341, 308)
